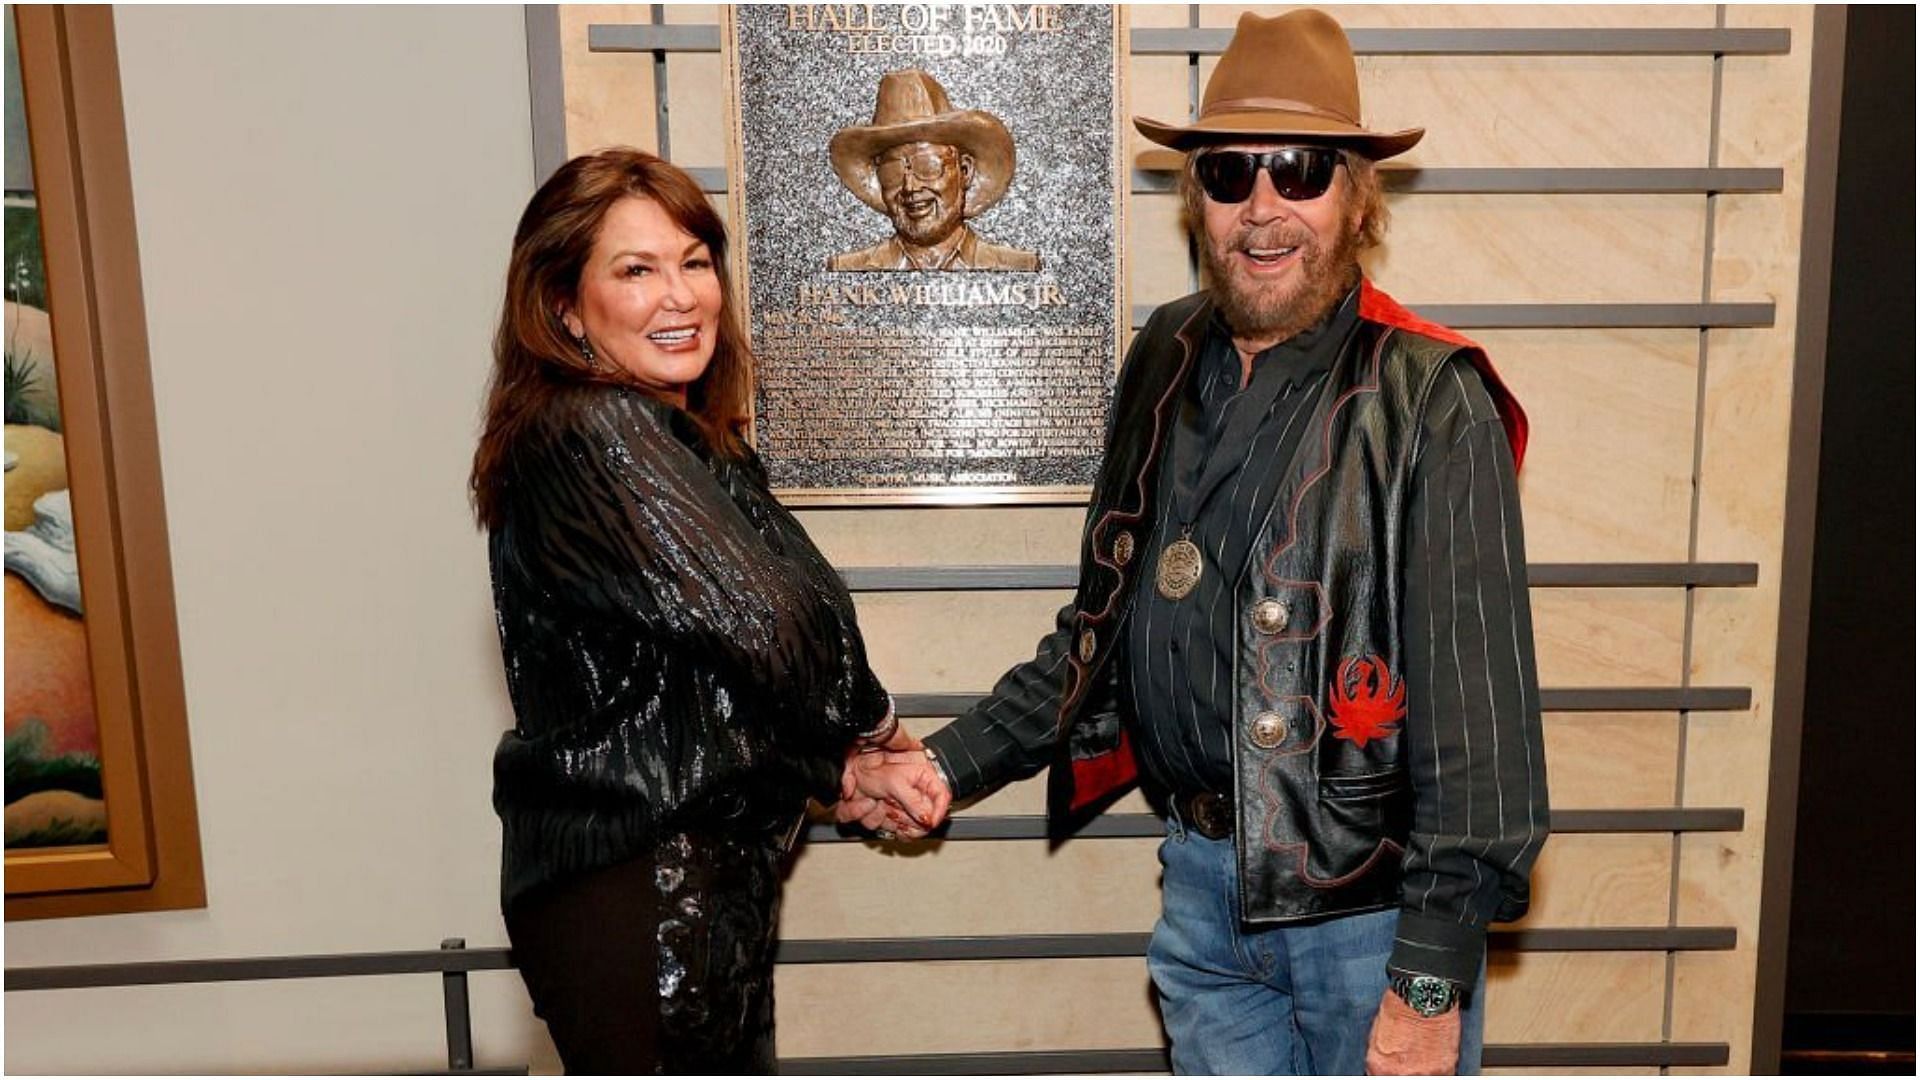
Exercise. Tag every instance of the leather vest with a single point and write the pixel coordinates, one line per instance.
(1323, 800)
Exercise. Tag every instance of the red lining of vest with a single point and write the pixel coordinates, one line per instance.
(1377, 306)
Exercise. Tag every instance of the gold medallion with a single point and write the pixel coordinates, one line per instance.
(1179, 569)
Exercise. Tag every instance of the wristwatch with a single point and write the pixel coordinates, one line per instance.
(1428, 995)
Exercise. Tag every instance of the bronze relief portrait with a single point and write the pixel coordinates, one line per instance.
(930, 168)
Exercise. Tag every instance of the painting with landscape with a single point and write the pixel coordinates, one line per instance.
(53, 782)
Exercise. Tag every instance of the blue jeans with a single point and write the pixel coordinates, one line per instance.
(1297, 999)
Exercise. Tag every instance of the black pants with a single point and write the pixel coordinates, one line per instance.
(662, 964)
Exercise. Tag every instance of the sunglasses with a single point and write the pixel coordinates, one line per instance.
(1299, 173)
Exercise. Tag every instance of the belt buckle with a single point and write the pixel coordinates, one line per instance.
(1211, 815)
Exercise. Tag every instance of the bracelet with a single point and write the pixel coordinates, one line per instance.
(939, 766)
(883, 731)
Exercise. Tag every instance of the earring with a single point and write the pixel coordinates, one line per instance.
(586, 352)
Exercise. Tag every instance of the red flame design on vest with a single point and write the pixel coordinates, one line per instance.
(1367, 700)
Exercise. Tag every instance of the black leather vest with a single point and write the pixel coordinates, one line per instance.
(1323, 798)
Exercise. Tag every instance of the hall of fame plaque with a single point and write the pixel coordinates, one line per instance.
(931, 198)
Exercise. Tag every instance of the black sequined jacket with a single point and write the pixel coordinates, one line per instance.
(676, 649)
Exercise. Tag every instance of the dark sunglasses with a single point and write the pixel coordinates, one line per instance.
(1298, 173)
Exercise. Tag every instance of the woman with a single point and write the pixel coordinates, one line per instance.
(684, 665)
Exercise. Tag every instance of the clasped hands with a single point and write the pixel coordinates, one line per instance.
(893, 789)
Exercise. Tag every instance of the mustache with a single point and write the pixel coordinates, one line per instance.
(1249, 237)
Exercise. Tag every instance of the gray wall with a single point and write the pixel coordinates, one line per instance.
(325, 199)
(19, 158)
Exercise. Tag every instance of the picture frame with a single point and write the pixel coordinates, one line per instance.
(151, 860)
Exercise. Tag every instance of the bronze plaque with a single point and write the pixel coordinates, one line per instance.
(932, 204)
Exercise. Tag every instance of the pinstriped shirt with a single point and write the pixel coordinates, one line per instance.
(1226, 459)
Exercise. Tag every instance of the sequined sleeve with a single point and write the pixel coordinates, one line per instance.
(625, 521)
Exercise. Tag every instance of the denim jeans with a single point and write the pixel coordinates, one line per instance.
(1296, 999)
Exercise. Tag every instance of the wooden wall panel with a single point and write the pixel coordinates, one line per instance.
(1158, 265)
(1612, 761)
(953, 642)
(1609, 469)
(1516, 249)
(697, 119)
(1608, 637)
(1602, 880)
(949, 890)
(1574, 997)
(957, 1007)
(609, 98)
(1742, 494)
(1537, 111)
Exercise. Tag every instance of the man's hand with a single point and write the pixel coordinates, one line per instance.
(1404, 1043)
(894, 788)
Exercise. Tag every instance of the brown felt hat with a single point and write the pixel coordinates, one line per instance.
(912, 106)
(1288, 77)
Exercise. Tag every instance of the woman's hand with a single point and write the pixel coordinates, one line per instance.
(893, 790)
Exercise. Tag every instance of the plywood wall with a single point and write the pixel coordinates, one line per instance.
(1650, 445)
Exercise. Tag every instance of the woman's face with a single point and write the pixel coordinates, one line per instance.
(649, 299)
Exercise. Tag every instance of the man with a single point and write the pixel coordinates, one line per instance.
(929, 167)
(1302, 611)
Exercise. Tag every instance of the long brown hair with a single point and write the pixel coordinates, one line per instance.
(534, 358)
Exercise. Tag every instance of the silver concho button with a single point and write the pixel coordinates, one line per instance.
(1268, 730)
(1270, 616)
(1123, 548)
(1088, 643)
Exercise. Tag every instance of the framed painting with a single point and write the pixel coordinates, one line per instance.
(100, 812)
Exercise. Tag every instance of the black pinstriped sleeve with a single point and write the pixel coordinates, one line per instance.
(1473, 697)
(1009, 734)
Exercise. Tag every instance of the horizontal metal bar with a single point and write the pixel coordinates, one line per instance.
(1642, 575)
(647, 37)
(804, 951)
(866, 579)
(1538, 181)
(1061, 1062)
(1576, 316)
(1573, 1055)
(1138, 826)
(991, 1063)
(1663, 819)
(1411, 41)
(1113, 946)
(1648, 699)
(1618, 939)
(912, 705)
(992, 947)
(1491, 181)
(1581, 699)
(167, 972)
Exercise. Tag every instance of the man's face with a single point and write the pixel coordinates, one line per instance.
(925, 188)
(1278, 266)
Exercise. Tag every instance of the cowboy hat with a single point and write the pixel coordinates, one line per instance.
(913, 107)
(1291, 76)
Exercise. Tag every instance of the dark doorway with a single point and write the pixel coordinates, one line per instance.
(1850, 949)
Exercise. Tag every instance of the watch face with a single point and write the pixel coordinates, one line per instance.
(1429, 996)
